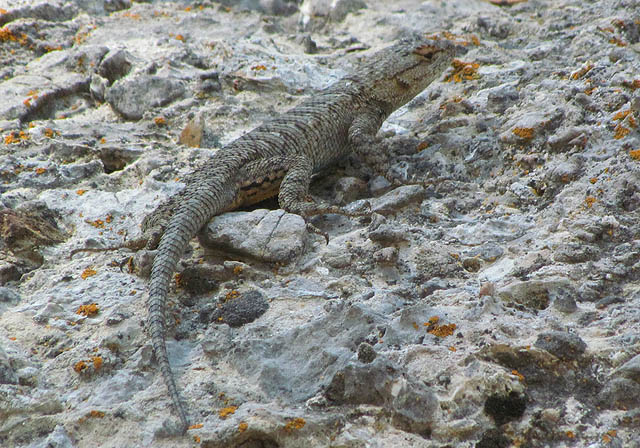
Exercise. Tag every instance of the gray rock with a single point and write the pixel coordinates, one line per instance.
(8, 295)
(271, 7)
(620, 393)
(116, 5)
(132, 97)
(348, 189)
(387, 234)
(630, 369)
(299, 362)
(273, 236)
(564, 301)
(502, 97)
(363, 383)
(538, 294)
(575, 252)
(387, 255)
(59, 438)
(566, 346)
(116, 65)
(7, 372)
(340, 8)
(397, 199)
(489, 252)
(415, 407)
(98, 86)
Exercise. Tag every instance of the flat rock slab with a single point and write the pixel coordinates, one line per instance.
(273, 236)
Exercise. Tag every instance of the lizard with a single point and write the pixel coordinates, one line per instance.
(279, 158)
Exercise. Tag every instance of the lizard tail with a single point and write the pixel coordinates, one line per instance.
(188, 219)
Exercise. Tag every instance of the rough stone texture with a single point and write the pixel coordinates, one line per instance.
(518, 223)
(274, 235)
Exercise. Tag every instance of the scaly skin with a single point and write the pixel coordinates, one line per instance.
(280, 156)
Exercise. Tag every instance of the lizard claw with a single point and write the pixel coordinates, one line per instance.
(313, 229)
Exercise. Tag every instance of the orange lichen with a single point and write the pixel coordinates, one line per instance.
(225, 412)
(131, 15)
(160, 121)
(583, 71)
(422, 146)
(295, 424)
(518, 374)
(88, 310)
(635, 84)
(525, 133)
(442, 331)
(617, 41)
(463, 71)
(80, 366)
(7, 35)
(97, 361)
(622, 114)
(635, 154)
(589, 201)
(41, 171)
(96, 414)
(88, 273)
(242, 426)
(259, 67)
(49, 133)
(196, 426)
(621, 132)
(98, 223)
(15, 137)
(233, 294)
(593, 180)
(80, 192)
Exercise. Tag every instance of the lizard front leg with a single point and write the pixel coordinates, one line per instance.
(366, 146)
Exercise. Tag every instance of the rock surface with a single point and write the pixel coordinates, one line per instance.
(492, 300)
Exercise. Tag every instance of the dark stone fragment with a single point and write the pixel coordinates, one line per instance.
(115, 65)
(565, 346)
(505, 409)
(242, 310)
(493, 438)
(366, 353)
(7, 373)
(610, 300)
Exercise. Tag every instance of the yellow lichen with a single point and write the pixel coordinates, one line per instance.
(525, 133)
(88, 273)
(225, 412)
(88, 310)
(295, 424)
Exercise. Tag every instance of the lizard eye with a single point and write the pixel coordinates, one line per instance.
(426, 51)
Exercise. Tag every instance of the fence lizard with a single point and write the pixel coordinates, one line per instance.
(279, 158)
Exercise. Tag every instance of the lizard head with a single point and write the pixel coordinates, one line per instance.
(406, 68)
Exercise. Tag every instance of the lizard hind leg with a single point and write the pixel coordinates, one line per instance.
(294, 195)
